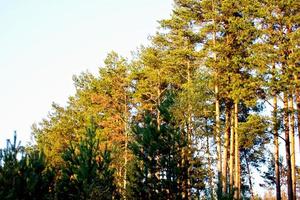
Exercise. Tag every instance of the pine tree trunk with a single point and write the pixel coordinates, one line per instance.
(189, 157)
(297, 97)
(249, 176)
(231, 158)
(158, 120)
(237, 154)
(183, 180)
(158, 123)
(189, 134)
(187, 154)
(217, 115)
(287, 147)
(126, 149)
(292, 138)
(276, 144)
(226, 148)
(298, 113)
(218, 140)
(125, 164)
(208, 155)
(183, 168)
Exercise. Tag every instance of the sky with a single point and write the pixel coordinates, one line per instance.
(44, 43)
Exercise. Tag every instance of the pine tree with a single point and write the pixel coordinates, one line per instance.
(156, 150)
(113, 97)
(184, 61)
(230, 34)
(87, 173)
(24, 173)
(253, 142)
(107, 98)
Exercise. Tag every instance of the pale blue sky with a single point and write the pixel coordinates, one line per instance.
(44, 42)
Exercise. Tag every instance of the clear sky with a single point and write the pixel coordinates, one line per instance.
(44, 43)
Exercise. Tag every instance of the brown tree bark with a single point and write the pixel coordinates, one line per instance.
(231, 157)
(237, 154)
(157, 171)
(297, 98)
(276, 150)
(292, 138)
(298, 118)
(208, 157)
(249, 176)
(126, 148)
(226, 148)
(189, 135)
(218, 141)
(287, 146)
(217, 115)
(298, 113)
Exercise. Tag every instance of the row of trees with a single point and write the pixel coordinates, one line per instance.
(86, 174)
(188, 116)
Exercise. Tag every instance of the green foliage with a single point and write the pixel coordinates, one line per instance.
(253, 142)
(87, 173)
(24, 174)
(156, 148)
(105, 97)
(157, 172)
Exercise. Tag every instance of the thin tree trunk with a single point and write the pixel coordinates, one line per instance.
(287, 147)
(208, 155)
(292, 138)
(126, 149)
(217, 115)
(183, 181)
(189, 157)
(231, 158)
(226, 148)
(157, 109)
(297, 97)
(298, 113)
(249, 176)
(125, 169)
(218, 140)
(298, 121)
(237, 154)
(276, 144)
(189, 134)
(187, 154)
(157, 170)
